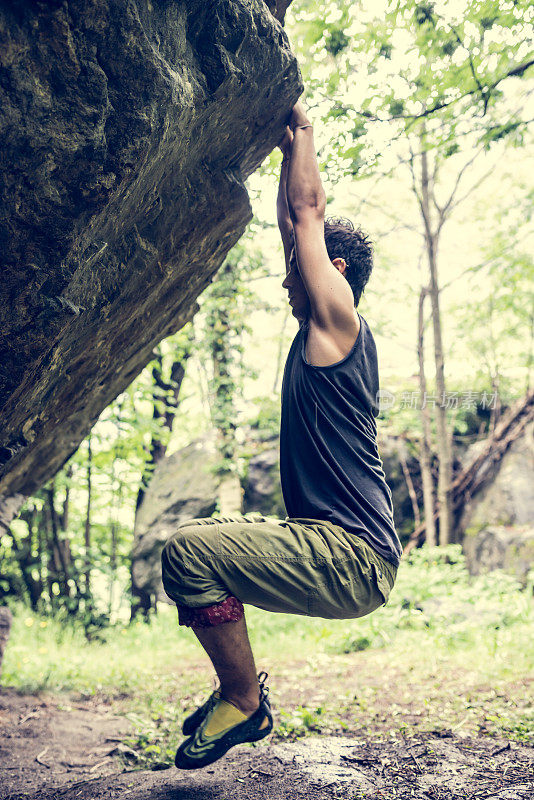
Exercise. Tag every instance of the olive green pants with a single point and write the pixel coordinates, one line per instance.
(296, 566)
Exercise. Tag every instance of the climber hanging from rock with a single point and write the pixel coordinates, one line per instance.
(336, 554)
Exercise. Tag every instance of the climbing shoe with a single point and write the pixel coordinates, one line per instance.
(222, 727)
(192, 722)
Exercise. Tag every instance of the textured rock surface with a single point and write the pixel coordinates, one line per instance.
(262, 489)
(127, 129)
(498, 522)
(508, 498)
(182, 488)
(501, 547)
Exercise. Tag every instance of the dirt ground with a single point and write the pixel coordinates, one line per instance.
(50, 751)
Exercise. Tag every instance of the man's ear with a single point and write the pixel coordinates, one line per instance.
(340, 264)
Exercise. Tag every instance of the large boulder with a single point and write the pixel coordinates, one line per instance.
(508, 496)
(497, 524)
(510, 548)
(128, 128)
(262, 487)
(183, 487)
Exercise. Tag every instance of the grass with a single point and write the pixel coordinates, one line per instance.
(447, 652)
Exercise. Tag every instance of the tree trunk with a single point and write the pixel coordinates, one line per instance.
(411, 489)
(444, 448)
(23, 552)
(425, 453)
(5, 627)
(177, 378)
(157, 447)
(142, 600)
(114, 514)
(60, 547)
(230, 495)
(495, 374)
(87, 532)
(65, 513)
(530, 357)
(40, 551)
(47, 547)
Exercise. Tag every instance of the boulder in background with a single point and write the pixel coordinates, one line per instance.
(183, 487)
(262, 487)
(510, 548)
(508, 497)
(498, 522)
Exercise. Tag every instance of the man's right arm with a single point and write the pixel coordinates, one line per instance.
(282, 209)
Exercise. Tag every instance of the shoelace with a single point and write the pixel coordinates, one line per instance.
(264, 690)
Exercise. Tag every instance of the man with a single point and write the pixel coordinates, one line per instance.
(336, 555)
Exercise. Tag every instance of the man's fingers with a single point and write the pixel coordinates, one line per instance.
(286, 139)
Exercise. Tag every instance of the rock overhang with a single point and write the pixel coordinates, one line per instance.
(129, 128)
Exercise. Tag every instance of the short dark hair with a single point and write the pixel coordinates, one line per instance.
(345, 241)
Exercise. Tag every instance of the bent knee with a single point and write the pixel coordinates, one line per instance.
(190, 542)
(175, 565)
(186, 561)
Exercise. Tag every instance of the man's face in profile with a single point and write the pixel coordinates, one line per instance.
(298, 296)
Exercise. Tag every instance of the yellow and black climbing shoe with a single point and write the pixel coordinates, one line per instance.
(223, 727)
(192, 722)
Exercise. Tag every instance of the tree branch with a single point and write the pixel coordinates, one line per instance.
(516, 71)
(449, 203)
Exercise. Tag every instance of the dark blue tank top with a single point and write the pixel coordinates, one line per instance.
(330, 467)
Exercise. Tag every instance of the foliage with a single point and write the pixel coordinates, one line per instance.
(379, 70)
(434, 593)
(266, 422)
(51, 576)
(503, 314)
(298, 722)
(225, 311)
